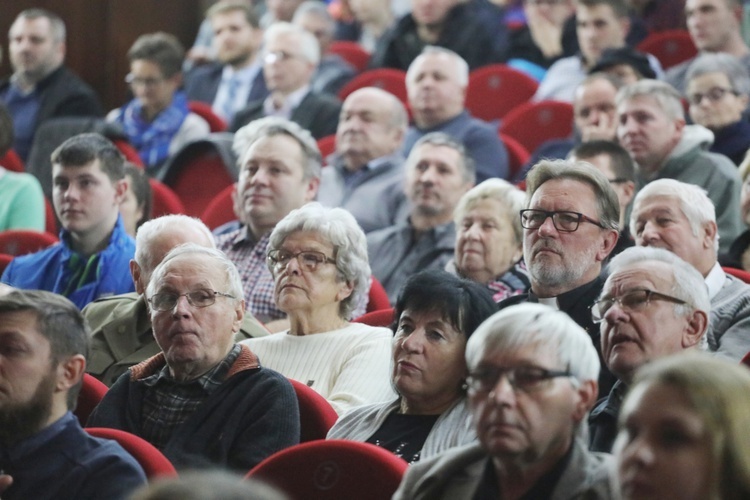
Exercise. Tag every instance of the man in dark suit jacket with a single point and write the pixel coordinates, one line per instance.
(237, 78)
(41, 87)
(290, 57)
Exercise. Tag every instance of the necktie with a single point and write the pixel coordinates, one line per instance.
(228, 108)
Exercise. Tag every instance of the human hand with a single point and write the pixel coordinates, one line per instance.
(603, 128)
(546, 34)
(5, 482)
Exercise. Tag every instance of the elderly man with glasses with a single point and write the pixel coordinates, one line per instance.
(204, 401)
(570, 228)
(532, 380)
(654, 304)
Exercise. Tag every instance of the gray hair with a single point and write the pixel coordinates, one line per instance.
(230, 270)
(151, 230)
(57, 25)
(318, 9)
(275, 125)
(538, 325)
(694, 203)
(666, 97)
(308, 44)
(461, 66)
(608, 206)
(688, 284)
(339, 227)
(442, 139)
(720, 62)
(511, 199)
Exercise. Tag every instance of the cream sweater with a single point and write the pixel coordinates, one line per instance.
(349, 367)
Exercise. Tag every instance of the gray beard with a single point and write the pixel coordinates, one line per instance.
(561, 275)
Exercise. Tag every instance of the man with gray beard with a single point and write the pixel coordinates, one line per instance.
(570, 227)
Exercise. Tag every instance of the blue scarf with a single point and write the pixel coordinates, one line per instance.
(152, 139)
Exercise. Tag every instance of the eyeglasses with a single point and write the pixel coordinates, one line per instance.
(521, 378)
(618, 180)
(134, 81)
(714, 94)
(632, 300)
(279, 56)
(308, 260)
(166, 301)
(565, 222)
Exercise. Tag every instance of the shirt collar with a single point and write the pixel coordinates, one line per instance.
(244, 75)
(208, 381)
(715, 280)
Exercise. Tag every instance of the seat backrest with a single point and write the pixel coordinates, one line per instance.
(351, 52)
(50, 218)
(381, 317)
(11, 161)
(4, 261)
(200, 171)
(154, 463)
(128, 151)
(333, 469)
(92, 391)
(204, 110)
(220, 210)
(378, 298)
(22, 241)
(164, 200)
(518, 156)
(389, 79)
(534, 123)
(670, 47)
(738, 273)
(496, 89)
(327, 145)
(316, 414)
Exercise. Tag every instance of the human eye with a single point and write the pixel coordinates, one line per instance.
(435, 334)
(634, 298)
(527, 377)
(163, 301)
(312, 259)
(489, 225)
(567, 220)
(534, 217)
(201, 297)
(422, 166)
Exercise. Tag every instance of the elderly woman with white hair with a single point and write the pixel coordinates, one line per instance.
(318, 259)
(489, 238)
(718, 86)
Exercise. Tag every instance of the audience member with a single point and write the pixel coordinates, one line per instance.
(367, 170)
(290, 56)
(738, 256)
(544, 38)
(699, 405)
(680, 218)
(135, 207)
(279, 171)
(436, 313)
(346, 363)
(489, 238)
(718, 87)
(370, 21)
(204, 401)
(438, 173)
(652, 128)
(279, 11)
(714, 26)
(332, 72)
(449, 24)
(208, 485)
(157, 122)
(436, 84)
(532, 380)
(615, 163)
(624, 63)
(122, 335)
(570, 228)
(91, 260)
(21, 197)
(600, 24)
(44, 453)
(237, 78)
(653, 305)
(41, 87)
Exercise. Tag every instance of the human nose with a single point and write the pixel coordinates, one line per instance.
(638, 453)
(649, 234)
(428, 175)
(259, 177)
(181, 306)
(502, 392)
(71, 192)
(547, 228)
(414, 342)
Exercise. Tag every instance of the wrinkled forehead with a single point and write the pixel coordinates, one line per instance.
(501, 351)
(564, 194)
(649, 274)
(188, 271)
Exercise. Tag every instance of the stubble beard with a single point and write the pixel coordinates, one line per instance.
(19, 421)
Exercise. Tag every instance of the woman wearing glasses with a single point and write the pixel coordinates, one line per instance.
(157, 121)
(436, 314)
(683, 431)
(318, 258)
(717, 91)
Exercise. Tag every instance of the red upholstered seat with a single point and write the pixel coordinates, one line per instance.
(22, 242)
(333, 469)
(165, 201)
(4, 261)
(128, 151)
(317, 416)
(738, 273)
(351, 52)
(517, 154)
(154, 463)
(382, 317)
(92, 391)
(534, 123)
(327, 145)
(378, 298)
(204, 110)
(670, 47)
(496, 89)
(220, 210)
(389, 79)
(11, 161)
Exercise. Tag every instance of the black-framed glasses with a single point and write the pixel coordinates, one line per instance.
(521, 378)
(166, 301)
(618, 180)
(714, 94)
(309, 260)
(134, 81)
(564, 221)
(279, 56)
(632, 300)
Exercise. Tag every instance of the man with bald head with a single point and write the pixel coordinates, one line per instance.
(367, 169)
(120, 325)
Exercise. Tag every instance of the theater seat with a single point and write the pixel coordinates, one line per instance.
(670, 47)
(92, 391)
(382, 317)
(316, 414)
(21, 241)
(351, 52)
(220, 210)
(332, 469)
(11, 161)
(389, 79)
(164, 200)
(154, 463)
(496, 89)
(534, 123)
(204, 110)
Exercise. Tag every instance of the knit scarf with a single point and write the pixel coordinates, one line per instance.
(152, 139)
